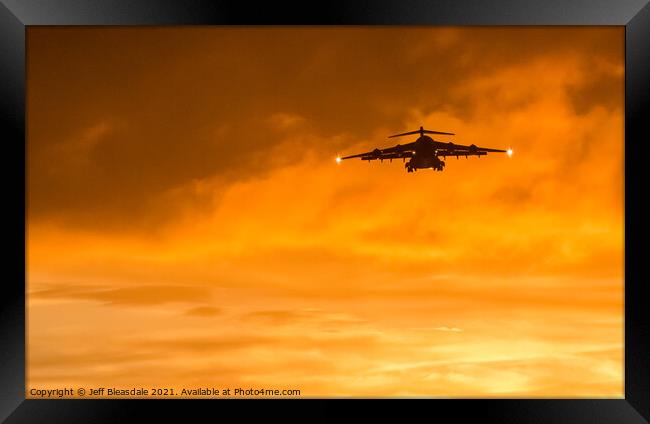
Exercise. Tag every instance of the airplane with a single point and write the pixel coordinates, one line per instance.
(424, 152)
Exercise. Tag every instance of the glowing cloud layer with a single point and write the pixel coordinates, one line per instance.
(188, 226)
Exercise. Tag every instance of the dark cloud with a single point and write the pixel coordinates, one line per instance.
(134, 296)
(89, 357)
(203, 311)
(600, 89)
(514, 194)
(276, 317)
(182, 105)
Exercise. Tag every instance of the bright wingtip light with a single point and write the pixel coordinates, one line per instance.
(509, 152)
(338, 159)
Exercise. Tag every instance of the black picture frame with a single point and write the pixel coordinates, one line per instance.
(634, 15)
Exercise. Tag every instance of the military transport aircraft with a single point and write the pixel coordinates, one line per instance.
(424, 152)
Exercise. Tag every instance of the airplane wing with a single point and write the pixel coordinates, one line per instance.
(395, 152)
(485, 149)
(360, 155)
(452, 149)
(460, 153)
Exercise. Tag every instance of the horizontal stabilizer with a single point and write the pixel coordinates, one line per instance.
(421, 131)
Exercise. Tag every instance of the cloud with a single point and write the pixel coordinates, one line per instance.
(133, 296)
(276, 317)
(188, 208)
(284, 121)
(451, 329)
(203, 311)
(214, 129)
(313, 318)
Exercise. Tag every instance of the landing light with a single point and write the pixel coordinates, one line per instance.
(509, 152)
(338, 159)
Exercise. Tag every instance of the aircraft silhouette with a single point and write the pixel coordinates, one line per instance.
(424, 152)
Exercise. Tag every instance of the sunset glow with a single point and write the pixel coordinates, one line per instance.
(187, 226)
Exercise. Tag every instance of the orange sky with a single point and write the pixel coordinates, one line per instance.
(189, 227)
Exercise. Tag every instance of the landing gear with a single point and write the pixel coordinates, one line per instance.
(438, 166)
(409, 167)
